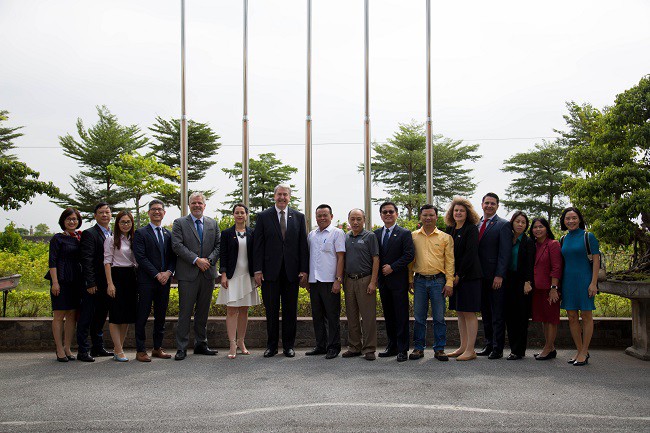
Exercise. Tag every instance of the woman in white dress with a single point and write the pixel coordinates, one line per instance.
(238, 290)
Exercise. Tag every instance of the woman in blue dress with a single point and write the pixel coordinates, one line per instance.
(579, 281)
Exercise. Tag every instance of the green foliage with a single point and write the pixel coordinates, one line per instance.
(7, 136)
(400, 165)
(30, 260)
(10, 240)
(226, 221)
(28, 303)
(541, 171)
(41, 230)
(608, 305)
(22, 231)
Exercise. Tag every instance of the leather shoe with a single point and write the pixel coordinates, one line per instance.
(487, 350)
(268, 353)
(416, 354)
(203, 349)
(513, 357)
(180, 355)
(370, 356)
(62, 359)
(160, 353)
(70, 357)
(101, 352)
(142, 357)
(440, 355)
(289, 353)
(85, 357)
(387, 353)
(549, 355)
(496, 354)
(401, 357)
(316, 351)
(331, 354)
(351, 354)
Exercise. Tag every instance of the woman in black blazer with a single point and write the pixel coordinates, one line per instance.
(461, 220)
(518, 285)
(238, 290)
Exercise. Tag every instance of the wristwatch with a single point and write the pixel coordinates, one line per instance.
(553, 287)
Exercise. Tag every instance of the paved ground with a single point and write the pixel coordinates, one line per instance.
(251, 393)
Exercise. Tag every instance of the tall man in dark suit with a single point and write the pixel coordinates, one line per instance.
(396, 251)
(494, 250)
(94, 301)
(152, 247)
(195, 240)
(281, 264)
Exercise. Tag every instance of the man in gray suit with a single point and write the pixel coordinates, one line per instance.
(195, 240)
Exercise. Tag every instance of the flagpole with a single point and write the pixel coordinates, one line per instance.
(183, 132)
(245, 149)
(429, 158)
(366, 128)
(308, 143)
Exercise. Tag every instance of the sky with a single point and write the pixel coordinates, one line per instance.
(502, 72)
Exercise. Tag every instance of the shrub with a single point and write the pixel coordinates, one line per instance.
(28, 303)
(10, 240)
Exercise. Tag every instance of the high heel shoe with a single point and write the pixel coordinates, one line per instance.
(232, 354)
(118, 358)
(581, 363)
(241, 347)
(62, 359)
(550, 355)
(572, 360)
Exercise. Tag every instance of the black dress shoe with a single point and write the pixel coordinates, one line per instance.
(387, 353)
(289, 353)
(101, 352)
(513, 357)
(581, 363)
(85, 357)
(180, 355)
(401, 357)
(572, 360)
(487, 350)
(331, 354)
(268, 353)
(203, 349)
(63, 359)
(549, 355)
(70, 357)
(316, 351)
(496, 354)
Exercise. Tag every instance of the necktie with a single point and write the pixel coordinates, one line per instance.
(199, 229)
(283, 224)
(384, 242)
(161, 246)
(482, 230)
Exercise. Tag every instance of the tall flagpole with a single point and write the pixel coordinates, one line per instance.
(183, 131)
(245, 157)
(366, 129)
(308, 148)
(429, 158)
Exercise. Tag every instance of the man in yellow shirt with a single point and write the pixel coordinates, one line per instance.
(431, 279)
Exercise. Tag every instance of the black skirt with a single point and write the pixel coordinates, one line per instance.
(122, 308)
(467, 296)
(69, 296)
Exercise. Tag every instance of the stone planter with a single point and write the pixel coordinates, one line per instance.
(639, 293)
(6, 285)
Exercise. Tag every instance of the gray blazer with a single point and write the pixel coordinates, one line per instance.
(187, 246)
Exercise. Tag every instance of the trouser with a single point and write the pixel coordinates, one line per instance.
(395, 303)
(362, 337)
(517, 312)
(492, 306)
(326, 315)
(426, 290)
(285, 292)
(158, 296)
(193, 296)
(92, 317)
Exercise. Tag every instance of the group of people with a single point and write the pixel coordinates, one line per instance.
(509, 271)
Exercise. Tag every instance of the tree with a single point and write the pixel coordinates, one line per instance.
(41, 230)
(202, 144)
(98, 147)
(265, 174)
(400, 165)
(538, 189)
(611, 166)
(139, 176)
(18, 183)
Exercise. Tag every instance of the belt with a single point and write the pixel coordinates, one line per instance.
(430, 277)
(356, 276)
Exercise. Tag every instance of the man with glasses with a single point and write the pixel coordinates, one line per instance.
(152, 247)
(396, 251)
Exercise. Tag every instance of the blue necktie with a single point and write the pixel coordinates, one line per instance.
(384, 242)
(199, 229)
(161, 246)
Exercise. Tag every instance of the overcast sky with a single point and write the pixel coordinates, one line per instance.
(501, 74)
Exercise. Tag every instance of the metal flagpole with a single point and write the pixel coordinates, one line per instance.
(429, 158)
(366, 130)
(308, 148)
(245, 157)
(183, 131)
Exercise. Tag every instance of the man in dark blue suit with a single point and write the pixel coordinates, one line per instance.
(494, 250)
(396, 251)
(152, 247)
(281, 262)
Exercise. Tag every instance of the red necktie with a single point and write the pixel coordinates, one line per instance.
(482, 230)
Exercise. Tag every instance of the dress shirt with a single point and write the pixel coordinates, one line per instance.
(193, 222)
(323, 248)
(434, 254)
(286, 214)
(122, 258)
(107, 232)
(383, 232)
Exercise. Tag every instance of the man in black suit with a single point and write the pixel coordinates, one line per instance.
(494, 250)
(281, 264)
(152, 247)
(396, 251)
(94, 301)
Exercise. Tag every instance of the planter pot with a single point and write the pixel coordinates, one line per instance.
(7, 284)
(639, 293)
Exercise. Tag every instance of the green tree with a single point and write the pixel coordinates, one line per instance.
(538, 187)
(203, 146)
(10, 240)
(611, 166)
(265, 174)
(41, 230)
(98, 148)
(400, 166)
(139, 176)
(18, 183)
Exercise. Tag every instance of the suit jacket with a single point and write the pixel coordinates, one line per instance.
(270, 250)
(92, 257)
(230, 251)
(548, 263)
(525, 259)
(187, 246)
(495, 247)
(468, 265)
(399, 253)
(147, 254)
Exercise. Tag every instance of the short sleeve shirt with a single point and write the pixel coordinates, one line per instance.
(359, 251)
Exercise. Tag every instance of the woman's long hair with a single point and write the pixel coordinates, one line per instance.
(117, 233)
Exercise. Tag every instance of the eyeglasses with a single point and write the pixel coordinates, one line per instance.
(125, 223)
(388, 212)
(156, 209)
(72, 220)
